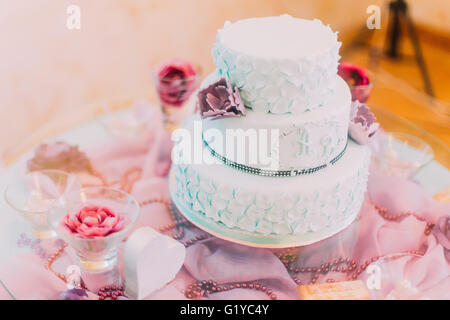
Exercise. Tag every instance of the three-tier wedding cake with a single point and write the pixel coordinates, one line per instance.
(276, 88)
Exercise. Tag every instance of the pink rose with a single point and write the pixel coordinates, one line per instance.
(94, 221)
(358, 80)
(176, 81)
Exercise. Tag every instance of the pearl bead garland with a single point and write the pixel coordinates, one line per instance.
(205, 288)
(196, 239)
(394, 217)
(350, 267)
(111, 292)
(52, 259)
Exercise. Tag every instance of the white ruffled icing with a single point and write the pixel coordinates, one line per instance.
(292, 205)
(307, 140)
(280, 64)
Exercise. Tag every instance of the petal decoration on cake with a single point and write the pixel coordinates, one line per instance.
(220, 99)
(362, 124)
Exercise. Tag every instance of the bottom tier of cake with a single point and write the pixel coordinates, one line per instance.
(326, 199)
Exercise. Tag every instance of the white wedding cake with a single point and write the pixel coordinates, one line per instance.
(297, 109)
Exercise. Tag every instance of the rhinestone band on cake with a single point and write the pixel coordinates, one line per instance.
(271, 173)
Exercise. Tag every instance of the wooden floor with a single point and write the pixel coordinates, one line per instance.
(399, 87)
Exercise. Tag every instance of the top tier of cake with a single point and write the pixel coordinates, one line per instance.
(280, 64)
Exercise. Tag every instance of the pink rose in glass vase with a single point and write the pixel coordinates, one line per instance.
(176, 80)
(359, 80)
(93, 221)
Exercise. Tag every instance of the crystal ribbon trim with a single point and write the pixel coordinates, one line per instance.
(272, 173)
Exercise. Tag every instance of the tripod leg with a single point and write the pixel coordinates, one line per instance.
(418, 54)
(393, 31)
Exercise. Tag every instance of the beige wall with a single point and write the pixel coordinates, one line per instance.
(433, 14)
(48, 72)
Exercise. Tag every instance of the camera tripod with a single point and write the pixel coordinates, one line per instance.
(399, 18)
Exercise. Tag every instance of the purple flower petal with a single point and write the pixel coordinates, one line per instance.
(220, 100)
(362, 124)
(222, 92)
(213, 101)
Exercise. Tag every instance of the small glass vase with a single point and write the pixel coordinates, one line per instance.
(176, 98)
(362, 92)
(33, 193)
(99, 253)
(353, 74)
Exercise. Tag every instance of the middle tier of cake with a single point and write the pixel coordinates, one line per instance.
(295, 142)
(327, 199)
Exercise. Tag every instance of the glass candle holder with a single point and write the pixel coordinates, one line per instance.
(387, 278)
(401, 154)
(360, 80)
(32, 194)
(95, 252)
(126, 119)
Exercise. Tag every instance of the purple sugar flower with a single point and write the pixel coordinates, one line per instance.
(362, 124)
(219, 100)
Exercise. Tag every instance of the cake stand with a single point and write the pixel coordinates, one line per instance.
(220, 230)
